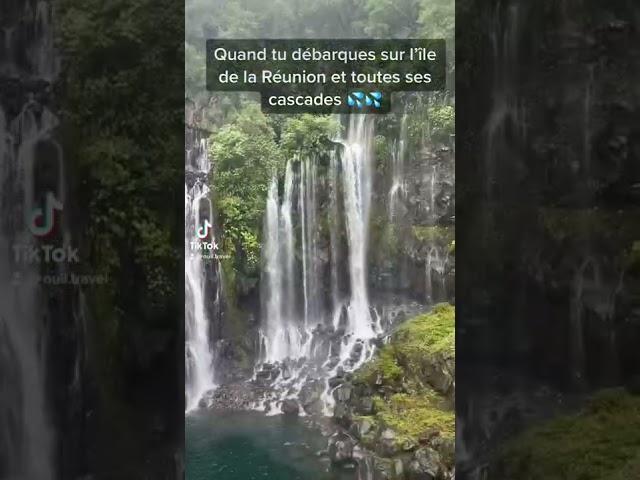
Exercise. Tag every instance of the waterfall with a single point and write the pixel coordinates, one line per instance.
(335, 251)
(398, 188)
(199, 375)
(32, 197)
(356, 171)
(298, 334)
(26, 435)
(506, 124)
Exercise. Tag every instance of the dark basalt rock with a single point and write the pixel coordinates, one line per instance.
(341, 448)
(290, 407)
(425, 465)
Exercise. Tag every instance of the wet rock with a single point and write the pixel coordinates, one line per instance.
(364, 406)
(290, 407)
(341, 448)
(425, 465)
(342, 414)
(310, 396)
(335, 381)
(333, 361)
(398, 468)
(388, 444)
(343, 393)
(356, 352)
(362, 427)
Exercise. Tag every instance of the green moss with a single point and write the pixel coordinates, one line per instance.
(601, 441)
(418, 340)
(411, 416)
(629, 470)
(385, 238)
(405, 401)
(427, 335)
(384, 367)
(633, 257)
(433, 234)
(620, 225)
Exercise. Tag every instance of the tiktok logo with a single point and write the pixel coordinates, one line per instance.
(202, 231)
(41, 221)
(207, 244)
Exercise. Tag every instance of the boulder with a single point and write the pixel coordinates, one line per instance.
(364, 406)
(388, 444)
(341, 448)
(362, 427)
(343, 393)
(310, 396)
(290, 407)
(425, 465)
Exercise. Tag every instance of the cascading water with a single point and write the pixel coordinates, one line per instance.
(308, 343)
(199, 375)
(32, 192)
(506, 122)
(398, 188)
(356, 171)
(26, 436)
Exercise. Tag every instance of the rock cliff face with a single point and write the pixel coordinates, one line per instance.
(399, 407)
(549, 175)
(42, 404)
(411, 251)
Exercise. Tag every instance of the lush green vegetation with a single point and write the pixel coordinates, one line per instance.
(248, 153)
(413, 416)
(426, 338)
(407, 400)
(122, 111)
(246, 157)
(433, 234)
(599, 443)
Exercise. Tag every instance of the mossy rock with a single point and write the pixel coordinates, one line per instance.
(600, 442)
(401, 378)
(566, 223)
(415, 416)
(421, 350)
(433, 234)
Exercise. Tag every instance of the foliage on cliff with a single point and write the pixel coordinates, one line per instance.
(599, 443)
(122, 112)
(247, 154)
(411, 378)
(246, 157)
(413, 346)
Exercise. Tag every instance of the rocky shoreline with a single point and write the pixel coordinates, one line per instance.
(392, 419)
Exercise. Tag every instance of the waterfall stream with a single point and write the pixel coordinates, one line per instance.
(32, 196)
(298, 332)
(198, 215)
(26, 436)
(398, 187)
